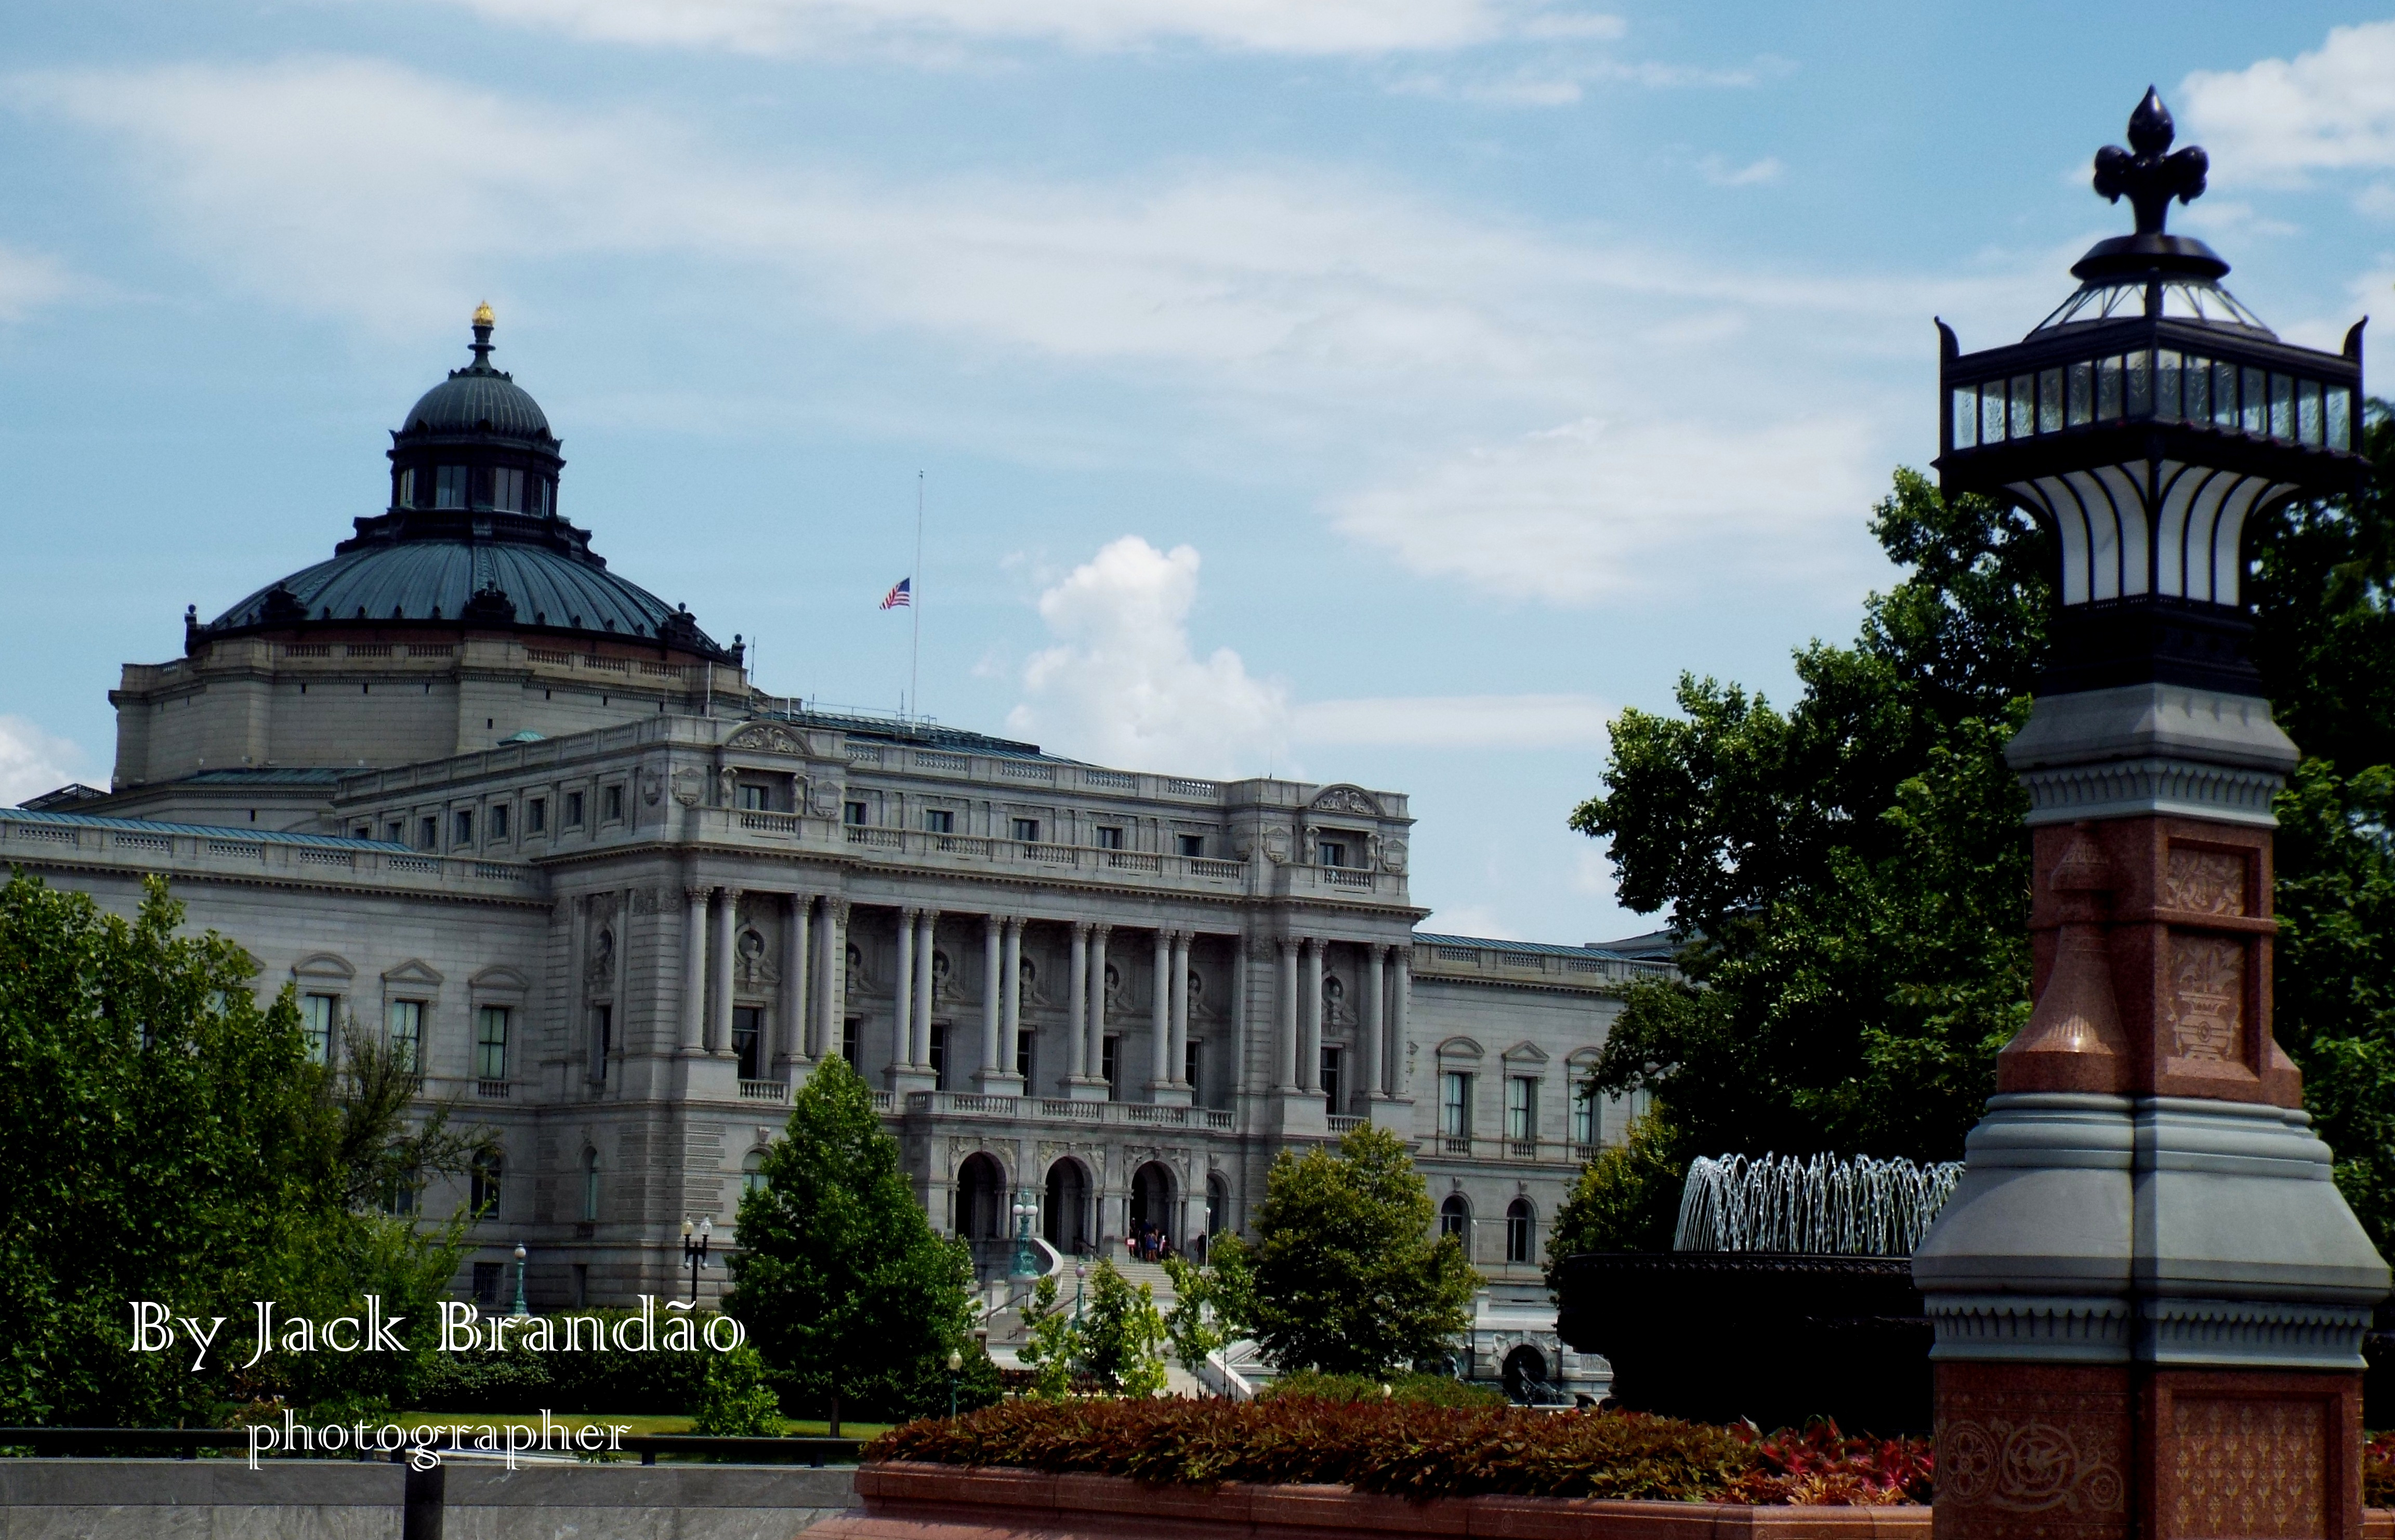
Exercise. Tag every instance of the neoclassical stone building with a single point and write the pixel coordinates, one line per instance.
(463, 785)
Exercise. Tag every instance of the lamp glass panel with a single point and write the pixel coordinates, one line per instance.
(2307, 412)
(2195, 384)
(1966, 418)
(2024, 412)
(2340, 418)
(2082, 394)
(2141, 384)
(2049, 402)
(2254, 401)
(2223, 395)
(2108, 387)
(2166, 385)
(1992, 411)
(2283, 408)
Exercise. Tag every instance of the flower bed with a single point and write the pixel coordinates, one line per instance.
(1422, 1452)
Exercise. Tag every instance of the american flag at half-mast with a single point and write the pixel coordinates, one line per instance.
(900, 595)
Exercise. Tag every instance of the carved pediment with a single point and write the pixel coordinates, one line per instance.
(1346, 799)
(770, 737)
(501, 976)
(323, 965)
(413, 971)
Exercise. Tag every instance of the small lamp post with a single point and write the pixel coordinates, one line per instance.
(956, 1363)
(1081, 1272)
(693, 1251)
(519, 1308)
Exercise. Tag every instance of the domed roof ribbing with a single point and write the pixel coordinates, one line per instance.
(471, 540)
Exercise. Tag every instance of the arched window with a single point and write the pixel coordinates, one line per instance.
(1455, 1218)
(752, 1173)
(590, 1187)
(1520, 1230)
(482, 1196)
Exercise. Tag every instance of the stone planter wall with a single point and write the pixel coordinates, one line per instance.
(931, 1502)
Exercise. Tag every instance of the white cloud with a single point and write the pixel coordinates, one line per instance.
(1583, 511)
(2332, 109)
(33, 762)
(1473, 920)
(1456, 722)
(1304, 27)
(30, 280)
(1719, 172)
(1123, 685)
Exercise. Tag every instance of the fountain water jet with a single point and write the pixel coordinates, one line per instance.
(1820, 1205)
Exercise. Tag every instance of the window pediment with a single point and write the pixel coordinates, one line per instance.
(414, 972)
(323, 966)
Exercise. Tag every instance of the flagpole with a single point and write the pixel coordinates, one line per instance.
(915, 659)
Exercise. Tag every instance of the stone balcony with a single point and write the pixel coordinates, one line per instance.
(234, 853)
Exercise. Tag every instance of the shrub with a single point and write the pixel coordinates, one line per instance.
(1408, 1448)
(735, 1402)
(605, 1379)
(2379, 1471)
(1421, 1389)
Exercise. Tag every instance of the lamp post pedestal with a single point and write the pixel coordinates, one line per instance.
(2149, 1297)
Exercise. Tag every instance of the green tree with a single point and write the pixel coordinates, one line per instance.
(1052, 1342)
(852, 1300)
(1120, 1334)
(166, 1139)
(1212, 1305)
(734, 1399)
(1349, 1277)
(1625, 1200)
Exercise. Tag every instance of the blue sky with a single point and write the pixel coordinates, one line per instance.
(1385, 390)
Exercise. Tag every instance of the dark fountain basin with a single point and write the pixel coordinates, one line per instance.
(1775, 1337)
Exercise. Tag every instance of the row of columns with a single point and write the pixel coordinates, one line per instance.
(812, 1007)
(1388, 984)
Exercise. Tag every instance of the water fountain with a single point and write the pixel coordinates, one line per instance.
(1787, 1295)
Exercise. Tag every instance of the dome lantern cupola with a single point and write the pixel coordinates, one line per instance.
(476, 443)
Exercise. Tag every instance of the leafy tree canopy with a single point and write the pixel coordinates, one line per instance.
(853, 1301)
(1347, 1276)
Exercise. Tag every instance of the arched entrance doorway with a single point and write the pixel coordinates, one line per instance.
(1067, 1220)
(981, 1199)
(1525, 1374)
(1151, 1200)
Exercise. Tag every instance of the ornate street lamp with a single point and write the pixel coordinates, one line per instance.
(693, 1251)
(2146, 1258)
(1026, 1214)
(520, 1307)
(956, 1362)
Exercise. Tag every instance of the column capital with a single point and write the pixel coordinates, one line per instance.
(993, 922)
(1082, 928)
(698, 895)
(834, 909)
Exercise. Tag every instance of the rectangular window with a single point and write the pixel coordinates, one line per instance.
(602, 1027)
(393, 832)
(1332, 853)
(2307, 413)
(1028, 830)
(1192, 845)
(2049, 402)
(940, 1055)
(507, 491)
(1192, 1060)
(747, 1040)
(2024, 409)
(2339, 405)
(318, 1016)
(1110, 839)
(1330, 1080)
(1966, 418)
(491, 1042)
(939, 821)
(2283, 408)
(1521, 1107)
(535, 815)
(1109, 1066)
(574, 810)
(1992, 411)
(1583, 1115)
(449, 486)
(405, 497)
(1455, 1104)
(852, 1034)
(611, 800)
(407, 1033)
(499, 821)
(486, 1285)
(464, 826)
(428, 835)
(2141, 384)
(1024, 1042)
(853, 814)
(364, 832)
(2224, 395)
(581, 1285)
(2082, 394)
(2254, 400)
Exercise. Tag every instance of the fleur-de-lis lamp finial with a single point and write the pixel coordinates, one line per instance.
(2145, 173)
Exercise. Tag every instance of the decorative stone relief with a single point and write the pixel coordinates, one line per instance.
(1277, 847)
(689, 786)
(2205, 1009)
(824, 800)
(1347, 799)
(1335, 1009)
(647, 901)
(653, 785)
(2247, 1468)
(2204, 882)
(727, 782)
(1393, 857)
(600, 970)
(769, 737)
(752, 962)
(856, 980)
(2028, 1466)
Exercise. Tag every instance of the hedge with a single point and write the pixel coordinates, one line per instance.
(1414, 1449)
(608, 1379)
(1427, 1389)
